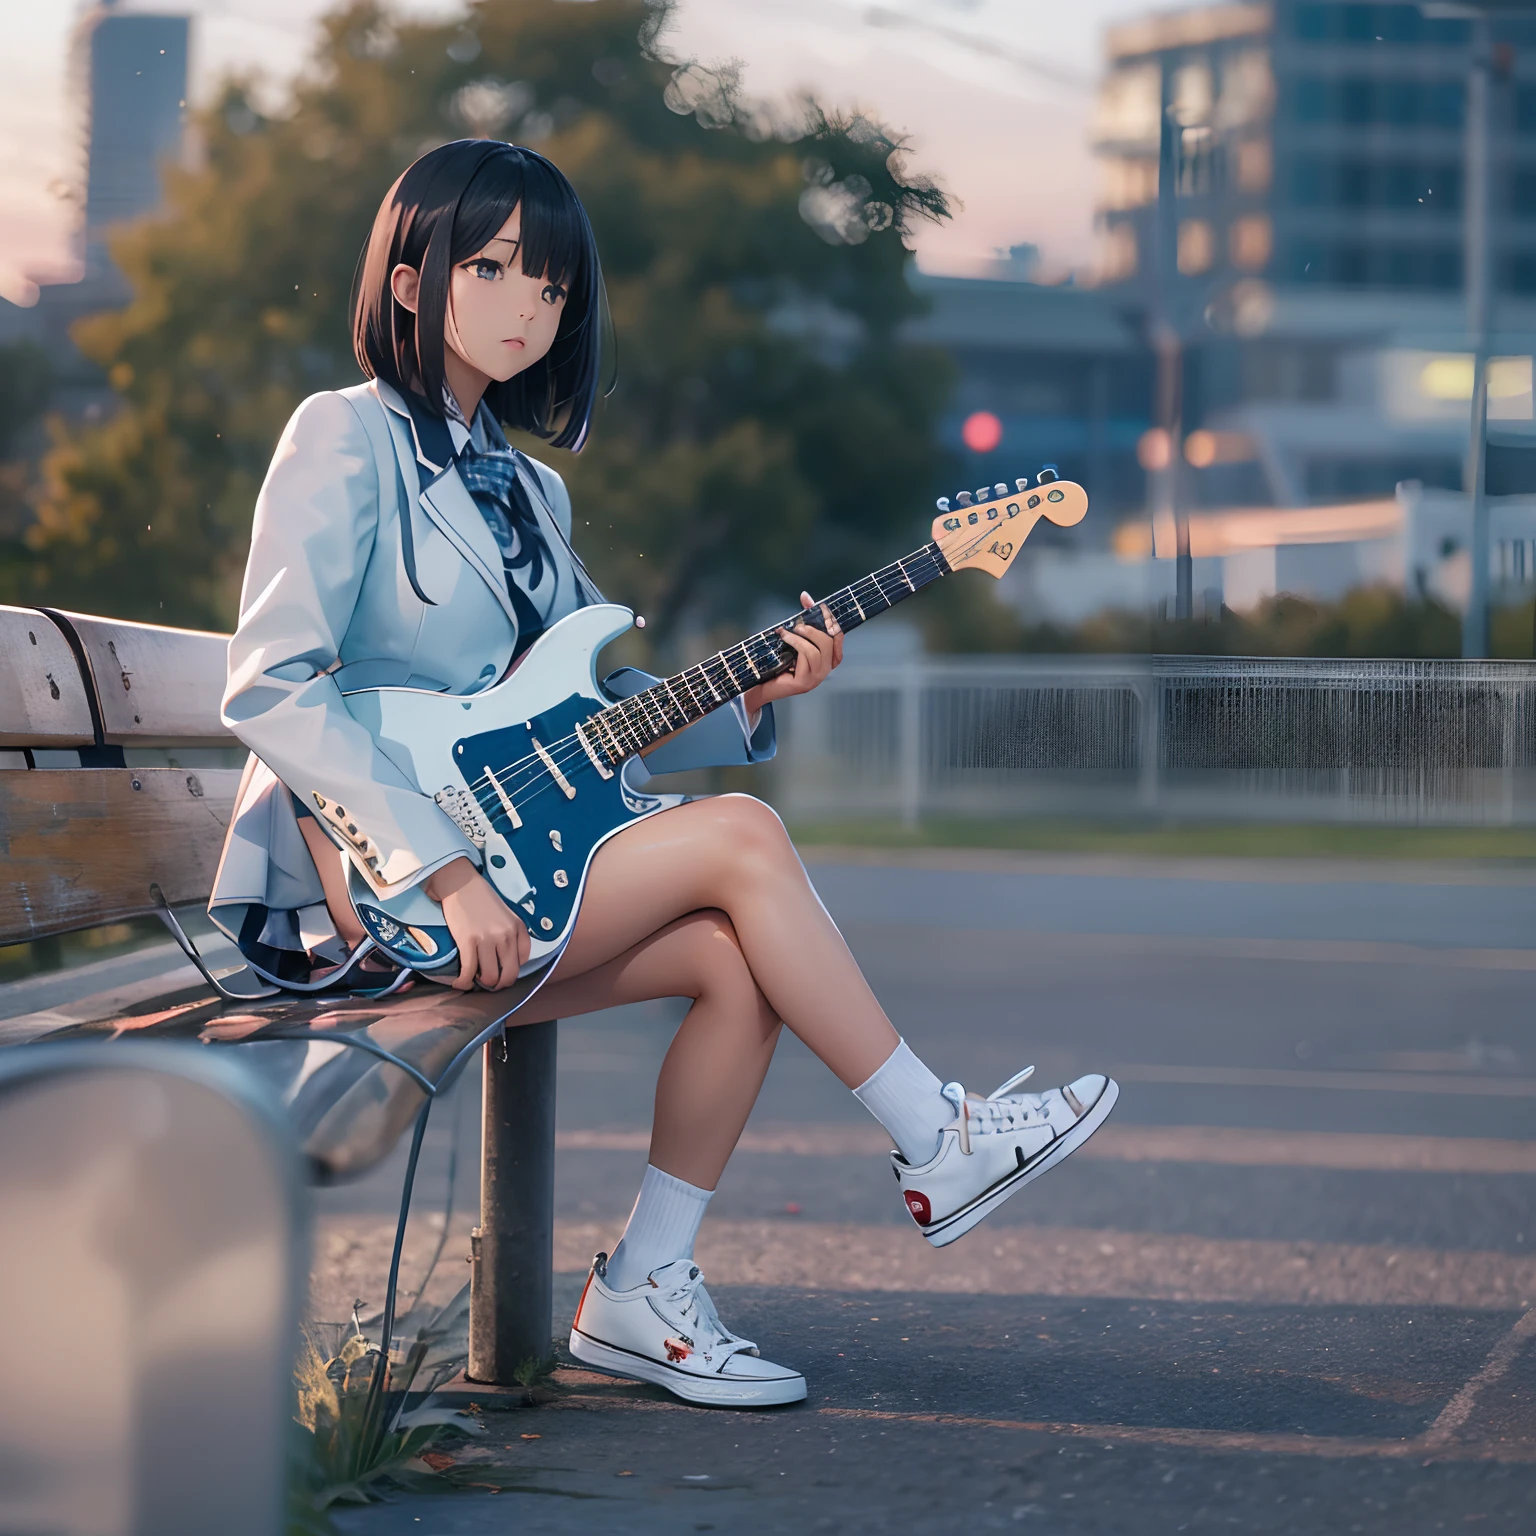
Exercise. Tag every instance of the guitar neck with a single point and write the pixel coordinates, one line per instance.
(678, 701)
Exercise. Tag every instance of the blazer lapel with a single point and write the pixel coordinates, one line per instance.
(446, 501)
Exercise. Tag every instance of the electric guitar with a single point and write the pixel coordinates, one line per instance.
(532, 769)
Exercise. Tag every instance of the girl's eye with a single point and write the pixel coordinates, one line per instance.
(553, 293)
(489, 270)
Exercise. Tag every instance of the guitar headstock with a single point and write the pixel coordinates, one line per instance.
(986, 528)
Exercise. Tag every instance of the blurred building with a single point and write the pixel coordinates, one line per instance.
(129, 74)
(1318, 292)
(133, 69)
(1045, 375)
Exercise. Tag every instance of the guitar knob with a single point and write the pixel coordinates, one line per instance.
(963, 499)
(1000, 489)
(1048, 472)
(1022, 483)
(942, 503)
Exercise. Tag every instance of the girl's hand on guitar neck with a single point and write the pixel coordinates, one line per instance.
(493, 943)
(818, 653)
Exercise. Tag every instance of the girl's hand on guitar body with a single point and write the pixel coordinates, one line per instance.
(493, 943)
(818, 653)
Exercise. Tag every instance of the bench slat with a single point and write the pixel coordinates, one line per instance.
(156, 686)
(82, 847)
(43, 701)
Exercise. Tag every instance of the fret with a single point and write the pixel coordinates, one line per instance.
(682, 709)
(630, 725)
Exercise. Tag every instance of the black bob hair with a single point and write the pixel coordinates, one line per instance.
(445, 207)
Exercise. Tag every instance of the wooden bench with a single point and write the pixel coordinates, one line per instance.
(117, 781)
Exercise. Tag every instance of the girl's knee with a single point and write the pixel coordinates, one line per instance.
(752, 832)
(714, 958)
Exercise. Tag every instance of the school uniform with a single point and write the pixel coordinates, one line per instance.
(373, 564)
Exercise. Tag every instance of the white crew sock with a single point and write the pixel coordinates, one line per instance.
(661, 1228)
(905, 1097)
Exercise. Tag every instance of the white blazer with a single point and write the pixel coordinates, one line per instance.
(359, 577)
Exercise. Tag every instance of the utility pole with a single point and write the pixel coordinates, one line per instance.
(1168, 345)
(1484, 68)
(1479, 288)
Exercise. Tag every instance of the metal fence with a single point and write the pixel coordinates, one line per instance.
(1401, 741)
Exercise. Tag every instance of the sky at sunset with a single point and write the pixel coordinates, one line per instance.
(994, 95)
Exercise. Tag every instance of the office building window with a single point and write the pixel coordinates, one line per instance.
(1363, 100)
(1317, 181)
(1197, 247)
(1522, 192)
(1357, 264)
(1366, 24)
(1255, 165)
(1250, 242)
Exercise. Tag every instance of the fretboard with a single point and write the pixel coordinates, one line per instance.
(634, 723)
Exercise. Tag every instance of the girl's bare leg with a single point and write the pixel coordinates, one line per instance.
(328, 866)
(720, 1054)
(731, 854)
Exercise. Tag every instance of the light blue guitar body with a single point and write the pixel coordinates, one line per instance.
(447, 744)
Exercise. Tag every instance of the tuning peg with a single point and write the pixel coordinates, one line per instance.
(1000, 489)
(963, 499)
(1022, 483)
(1048, 472)
(942, 503)
(983, 493)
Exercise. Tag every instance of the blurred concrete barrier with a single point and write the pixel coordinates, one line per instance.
(1198, 737)
(153, 1264)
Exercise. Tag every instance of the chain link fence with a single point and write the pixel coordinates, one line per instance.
(1222, 737)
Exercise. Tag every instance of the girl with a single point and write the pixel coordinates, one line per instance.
(399, 540)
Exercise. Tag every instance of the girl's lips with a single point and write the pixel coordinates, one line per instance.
(513, 341)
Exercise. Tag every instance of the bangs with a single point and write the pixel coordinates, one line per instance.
(553, 224)
(444, 208)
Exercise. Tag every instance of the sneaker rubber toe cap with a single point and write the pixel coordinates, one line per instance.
(1087, 1091)
(752, 1368)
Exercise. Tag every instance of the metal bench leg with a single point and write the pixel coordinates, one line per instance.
(511, 1318)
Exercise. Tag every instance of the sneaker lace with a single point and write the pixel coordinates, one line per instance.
(695, 1308)
(1001, 1112)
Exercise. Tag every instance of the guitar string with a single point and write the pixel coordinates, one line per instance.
(768, 636)
(577, 755)
(570, 749)
(645, 712)
(548, 782)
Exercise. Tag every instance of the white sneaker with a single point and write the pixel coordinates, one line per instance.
(995, 1147)
(667, 1331)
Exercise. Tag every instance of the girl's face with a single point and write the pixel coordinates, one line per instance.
(500, 321)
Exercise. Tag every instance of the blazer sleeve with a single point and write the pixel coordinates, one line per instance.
(314, 530)
(722, 739)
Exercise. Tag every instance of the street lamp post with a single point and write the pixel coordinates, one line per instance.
(1168, 345)
(1478, 281)
(1479, 289)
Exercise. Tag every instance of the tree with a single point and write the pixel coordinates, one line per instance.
(768, 429)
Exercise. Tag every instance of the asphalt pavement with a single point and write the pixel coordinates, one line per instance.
(1290, 1287)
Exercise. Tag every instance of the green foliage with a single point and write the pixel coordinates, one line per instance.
(741, 453)
(26, 382)
(353, 1433)
(1365, 622)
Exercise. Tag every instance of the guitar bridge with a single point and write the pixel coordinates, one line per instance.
(463, 813)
